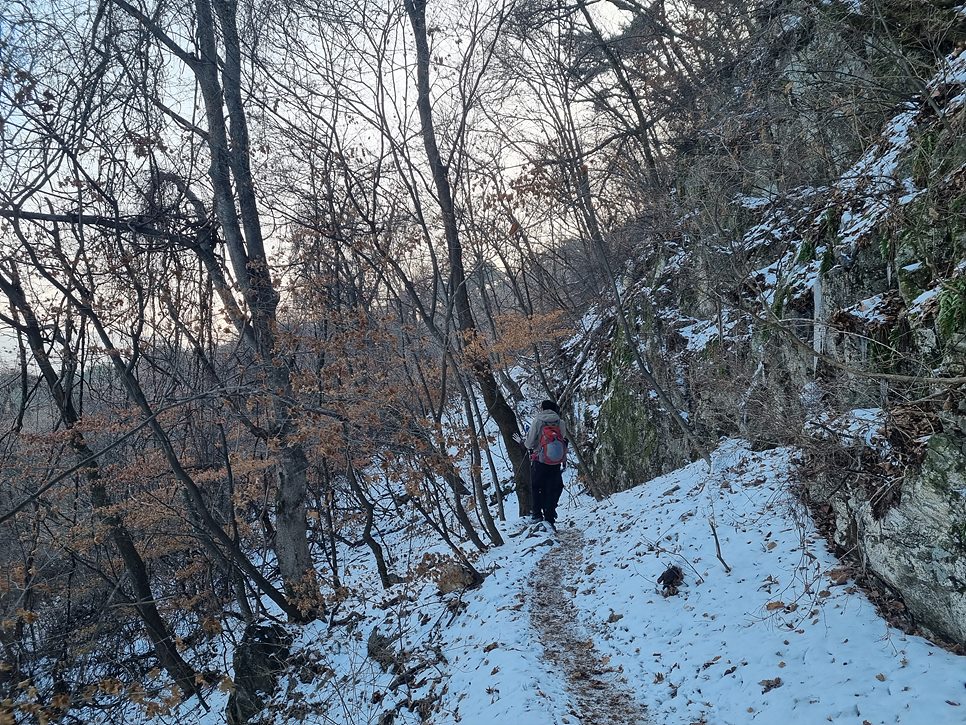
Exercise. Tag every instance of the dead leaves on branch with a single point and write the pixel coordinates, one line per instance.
(515, 336)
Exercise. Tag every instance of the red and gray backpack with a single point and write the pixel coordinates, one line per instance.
(551, 446)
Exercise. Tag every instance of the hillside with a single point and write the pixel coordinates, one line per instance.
(827, 316)
(286, 286)
(572, 627)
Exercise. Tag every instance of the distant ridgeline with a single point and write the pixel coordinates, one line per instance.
(812, 288)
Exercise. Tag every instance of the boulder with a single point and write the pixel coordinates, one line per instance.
(452, 576)
(918, 547)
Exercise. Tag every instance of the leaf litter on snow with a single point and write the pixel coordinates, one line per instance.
(782, 638)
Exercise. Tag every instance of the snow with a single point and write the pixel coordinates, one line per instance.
(877, 168)
(912, 192)
(861, 426)
(511, 682)
(752, 202)
(924, 301)
(711, 654)
(867, 194)
(591, 320)
(954, 72)
(926, 296)
(798, 278)
(701, 656)
(699, 334)
(879, 162)
(870, 310)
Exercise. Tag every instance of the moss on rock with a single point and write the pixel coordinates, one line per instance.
(628, 435)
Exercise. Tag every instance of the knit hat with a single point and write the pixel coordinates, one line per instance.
(550, 405)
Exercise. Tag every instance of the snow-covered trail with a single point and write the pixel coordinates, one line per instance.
(784, 636)
(577, 633)
(601, 695)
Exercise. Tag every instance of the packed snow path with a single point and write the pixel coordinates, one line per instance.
(601, 694)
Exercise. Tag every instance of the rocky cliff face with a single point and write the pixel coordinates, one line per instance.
(829, 312)
(918, 547)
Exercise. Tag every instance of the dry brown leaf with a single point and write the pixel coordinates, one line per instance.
(768, 685)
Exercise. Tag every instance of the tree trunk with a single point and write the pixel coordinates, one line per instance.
(369, 508)
(476, 473)
(493, 398)
(230, 161)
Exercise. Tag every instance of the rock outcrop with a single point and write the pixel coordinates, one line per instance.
(820, 304)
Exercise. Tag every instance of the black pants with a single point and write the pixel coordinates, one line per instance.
(546, 485)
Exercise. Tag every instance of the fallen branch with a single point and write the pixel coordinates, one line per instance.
(717, 545)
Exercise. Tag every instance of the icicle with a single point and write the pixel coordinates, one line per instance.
(818, 320)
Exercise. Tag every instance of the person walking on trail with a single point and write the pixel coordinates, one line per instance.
(547, 442)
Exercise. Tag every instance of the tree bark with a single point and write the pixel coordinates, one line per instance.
(476, 473)
(230, 161)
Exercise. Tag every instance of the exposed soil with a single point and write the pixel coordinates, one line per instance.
(601, 695)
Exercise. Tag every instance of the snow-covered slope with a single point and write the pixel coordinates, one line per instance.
(784, 637)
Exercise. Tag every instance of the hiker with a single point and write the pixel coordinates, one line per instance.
(547, 442)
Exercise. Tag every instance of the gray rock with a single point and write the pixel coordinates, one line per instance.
(918, 547)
